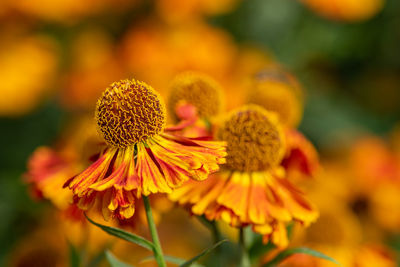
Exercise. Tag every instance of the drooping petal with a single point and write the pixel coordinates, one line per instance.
(301, 158)
(159, 165)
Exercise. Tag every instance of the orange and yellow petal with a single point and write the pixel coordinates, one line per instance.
(161, 164)
(261, 199)
(301, 159)
(47, 172)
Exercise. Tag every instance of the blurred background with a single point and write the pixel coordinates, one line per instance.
(56, 57)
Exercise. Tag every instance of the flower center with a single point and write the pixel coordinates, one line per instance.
(196, 89)
(255, 139)
(129, 112)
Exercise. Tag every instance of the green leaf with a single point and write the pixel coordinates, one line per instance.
(124, 235)
(258, 249)
(287, 253)
(170, 259)
(74, 258)
(114, 262)
(203, 253)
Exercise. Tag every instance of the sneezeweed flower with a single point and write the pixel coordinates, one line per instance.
(346, 10)
(252, 189)
(49, 168)
(374, 162)
(301, 159)
(376, 175)
(336, 233)
(141, 158)
(36, 58)
(198, 90)
(40, 247)
(375, 255)
(278, 91)
(47, 172)
(94, 65)
(195, 100)
(178, 12)
(370, 254)
(168, 51)
(67, 11)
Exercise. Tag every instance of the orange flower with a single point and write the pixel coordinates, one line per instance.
(197, 89)
(94, 65)
(253, 188)
(278, 91)
(47, 172)
(176, 11)
(67, 11)
(346, 10)
(194, 100)
(374, 162)
(141, 158)
(167, 51)
(27, 69)
(301, 159)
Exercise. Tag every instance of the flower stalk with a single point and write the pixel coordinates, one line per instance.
(244, 257)
(158, 254)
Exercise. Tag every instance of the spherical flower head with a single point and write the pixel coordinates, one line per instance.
(275, 91)
(142, 158)
(129, 112)
(254, 137)
(196, 89)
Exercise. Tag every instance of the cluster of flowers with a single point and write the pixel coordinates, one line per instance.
(358, 197)
(138, 155)
(156, 40)
(225, 147)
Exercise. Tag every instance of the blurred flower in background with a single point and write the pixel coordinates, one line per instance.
(28, 68)
(346, 10)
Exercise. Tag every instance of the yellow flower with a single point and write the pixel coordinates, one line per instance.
(175, 11)
(94, 65)
(167, 51)
(374, 255)
(278, 91)
(27, 68)
(141, 158)
(198, 90)
(195, 100)
(252, 189)
(336, 233)
(365, 255)
(376, 173)
(67, 11)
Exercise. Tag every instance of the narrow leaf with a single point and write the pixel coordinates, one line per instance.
(124, 235)
(114, 262)
(203, 253)
(74, 258)
(170, 259)
(287, 253)
(97, 258)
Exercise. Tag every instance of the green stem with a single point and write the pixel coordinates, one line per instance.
(158, 254)
(244, 260)
(216, 233)
(213, 227)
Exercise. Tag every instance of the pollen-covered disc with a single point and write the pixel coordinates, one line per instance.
(129, 112)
